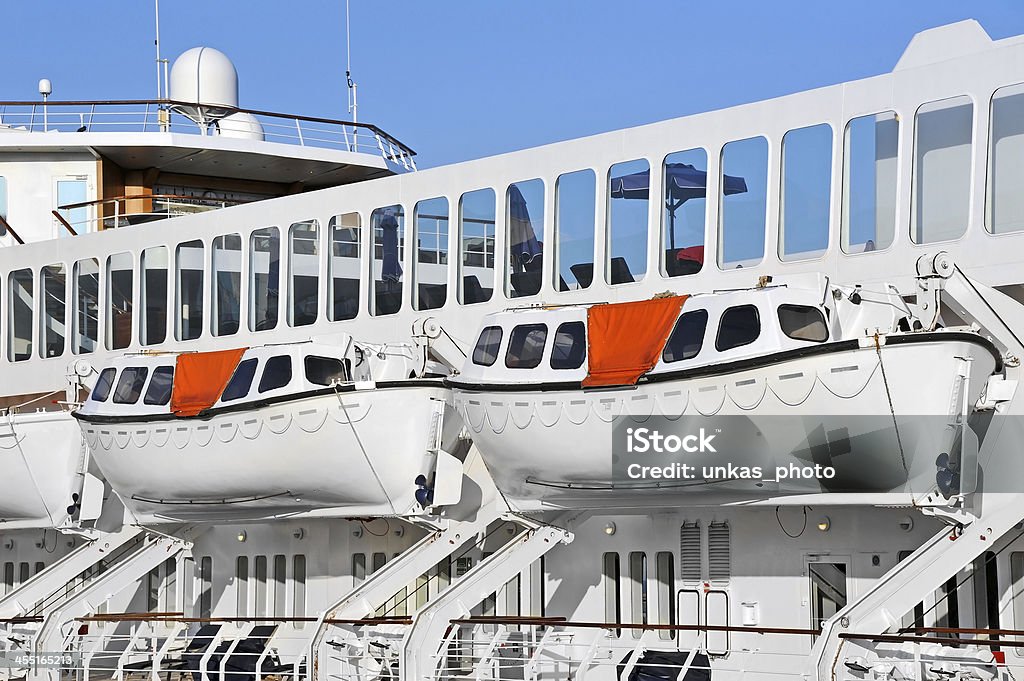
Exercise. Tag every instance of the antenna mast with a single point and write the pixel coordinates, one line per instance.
(161, 83)
(353, 103)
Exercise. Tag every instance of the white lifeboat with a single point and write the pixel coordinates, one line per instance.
(301, 428)
(572, 407)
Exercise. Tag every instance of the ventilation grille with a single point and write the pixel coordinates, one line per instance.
(689, 552)
(719, 553)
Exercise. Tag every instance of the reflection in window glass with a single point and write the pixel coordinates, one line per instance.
(325, 370)
(159, 390)
(526, 346)
(265, 278)
(241, 381)
(687, 337)
(153, 327)
(870, 156)
(682, 221)
(802, 322)
(806, 192)
(119, 301)
(227, 284)
(343, 268)
(1005, 200)
(104, 381)
(569, 348)
(524, 220)
(574, 225)
(54, 322)
(476, 245)
(129, 385)
(628, 193)
(430, 270)
(304, 264)
(828, 591)
(20, 307)
(742, 221)
(739, 326)
(277, 373)
(486, 350)
(388, 225)
(940, 201)
(87, 309)
(189, 263)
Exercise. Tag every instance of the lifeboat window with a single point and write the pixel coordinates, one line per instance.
(277, 373)
(687, 337)
(129, 386)
(241, 381)
(486, 350)
(739, 326)
(803, 322)
(159, 390)
(570, 346)
(526, 346)
(103, 383)
(326, 370)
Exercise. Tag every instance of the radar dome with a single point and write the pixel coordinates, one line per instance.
(204, 77)
(241, 125)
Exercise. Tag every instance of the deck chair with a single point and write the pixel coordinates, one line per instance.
(195, 648)
(240, 664)
(584, 273)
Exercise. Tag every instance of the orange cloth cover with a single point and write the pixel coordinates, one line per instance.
(200, 378)
(624, 340)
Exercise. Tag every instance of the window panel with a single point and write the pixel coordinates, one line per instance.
(486, 351)
(299, 589)
(802, 322)
(129, 385)
(242, 586)
(227, 284)
(629, 190)
(20, 311)
(687, 337)
(87, 310)
(941, 192)
(388, 225)
(119, 300)
(159, 390)
(638, 589)
(476, 246)
(277, 373)
(806, 192)
(526, 346)
(304, 264)
(575, 196)
(870, 167)
(610, 579)
(1005, 202)
(54, 319)
(104, 382)
(743, 202)
(569, 349)
(739, 326)
(430, 271)
(188, 259)
(343, 267)
(524, 241)
(685, 177)
(264, 278)
(153, 326)
(241, 381)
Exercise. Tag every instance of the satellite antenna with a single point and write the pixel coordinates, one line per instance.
(353, 104)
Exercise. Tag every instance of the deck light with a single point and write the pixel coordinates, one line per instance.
(242, 536)
(609, 529)
(824, 524)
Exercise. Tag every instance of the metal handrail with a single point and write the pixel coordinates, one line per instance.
(623, 625)
(115, 199)
(898, 638)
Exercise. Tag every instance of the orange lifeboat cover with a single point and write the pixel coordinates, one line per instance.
(624, 340)
(200, 378)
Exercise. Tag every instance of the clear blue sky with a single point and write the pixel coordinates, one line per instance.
(464, 79)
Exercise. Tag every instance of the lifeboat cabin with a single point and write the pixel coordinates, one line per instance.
(337, 430)
(565, 402)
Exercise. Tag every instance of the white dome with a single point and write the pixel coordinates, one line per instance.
(206, 77)
(240, 125)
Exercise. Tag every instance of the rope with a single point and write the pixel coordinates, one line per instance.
(888, 396)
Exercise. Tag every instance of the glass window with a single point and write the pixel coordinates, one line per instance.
(54, 321)
(828, 591)
(629, 189)
(277, 373)
(87, 309)
(265, 278)
(524, 220)
(227, 284)
(20, 309)
(610, 579)
(1005, 202)
(739, 326)
(72, 192)
(388, 226)
(119, 301)
(526, 346)
(241, 381)
(153, 327)
(343, 267)
(304, 264)
(299, 589)
(242, 586)
(486, 350)
(742, 219)
(129, 385)
(325, 370)
(1017, 591)
(870, 167)
(3, 202)
(666, 576)
(101, 390)
(206, 586)
(260, 568)
(803, 322)
(638, 589)
(570, 346)
(682, 220)
(806, 192)
(687, 337)
(476, 243)
(189, 262)
(430, 270)
(575, 196)
(159, 390)
(941, 193)
(279, 581)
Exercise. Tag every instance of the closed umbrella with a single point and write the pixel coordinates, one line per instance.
(525, 246)
(391, 265)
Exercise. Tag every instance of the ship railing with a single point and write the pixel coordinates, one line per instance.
(123, 211)
(164, 115)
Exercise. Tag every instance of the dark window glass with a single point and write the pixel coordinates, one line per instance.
(803, 322)
(487, 347)
(241, 381)
(159, 390)
(739, 326)
(325, 370)
(277, 373)
(570, 346)
(129, 386)
(103, 383)
(687, 337)
(526, 346)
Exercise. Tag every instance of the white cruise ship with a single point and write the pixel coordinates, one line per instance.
(727, 396)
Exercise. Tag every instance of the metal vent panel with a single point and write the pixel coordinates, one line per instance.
(689, 552)
(719, 552)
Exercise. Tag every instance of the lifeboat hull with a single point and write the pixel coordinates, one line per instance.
(348, 454)
(564, 448)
